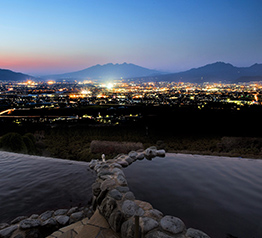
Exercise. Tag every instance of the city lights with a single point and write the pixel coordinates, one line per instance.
(109, 86)
(50, 82)
(118, 96)
(85, 92)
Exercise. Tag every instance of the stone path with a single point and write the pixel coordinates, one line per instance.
(95, 227)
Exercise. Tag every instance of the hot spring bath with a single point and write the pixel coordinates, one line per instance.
(218, 195)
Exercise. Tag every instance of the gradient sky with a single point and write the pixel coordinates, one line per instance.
(56, 36)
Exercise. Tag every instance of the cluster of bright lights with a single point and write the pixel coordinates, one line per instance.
(86, 82)
(50, 82)
(84, 92)
(109, 86)
(30, 82)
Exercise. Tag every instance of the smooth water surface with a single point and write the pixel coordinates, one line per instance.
(32, 184)
(219, 195)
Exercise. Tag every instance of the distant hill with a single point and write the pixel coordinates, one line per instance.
(215, 72)
(8, 75)
(107, 71)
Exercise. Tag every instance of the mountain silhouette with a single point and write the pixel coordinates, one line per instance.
(8, 75)
(216, 72)
(107, 71)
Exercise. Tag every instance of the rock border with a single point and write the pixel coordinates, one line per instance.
(114, 200)
(44, 224)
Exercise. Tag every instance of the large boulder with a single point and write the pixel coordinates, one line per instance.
(147, 224)
(157, 234)
(172, 224)
(121, 180)
(107, 184)
(115, 194)
(46, 215)
(154, 213)
(60, 212)
(107, 207)
(62, 220)
(132, 154)
(130, 208)
(51, 222)
(96, 188)
(161, 153)
(128, 229)
(194, 233)
(7, 232)
(30, 223)
(150, 152)
(18, 219)
(116, 220)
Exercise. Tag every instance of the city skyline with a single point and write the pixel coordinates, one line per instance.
(54, 37)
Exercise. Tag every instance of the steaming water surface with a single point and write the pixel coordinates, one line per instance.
(218, 195)
(32, 184)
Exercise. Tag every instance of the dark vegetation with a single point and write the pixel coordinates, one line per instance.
(176, 129)
(17, 143)
(78, 143)
(114, 147)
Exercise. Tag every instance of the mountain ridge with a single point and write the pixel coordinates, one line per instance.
(214, 72)
(9, 75)
(108, 71)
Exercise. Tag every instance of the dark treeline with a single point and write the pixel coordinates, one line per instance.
(176, 129)
(213, 119)
(192, 121)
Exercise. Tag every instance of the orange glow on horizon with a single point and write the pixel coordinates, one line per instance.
(47, 64)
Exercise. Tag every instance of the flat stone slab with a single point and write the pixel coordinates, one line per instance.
(89, 231)
(98, 220)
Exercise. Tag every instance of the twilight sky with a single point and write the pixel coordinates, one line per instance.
(57, 36)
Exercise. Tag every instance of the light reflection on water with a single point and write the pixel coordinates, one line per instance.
(31, 184)
(218, 195)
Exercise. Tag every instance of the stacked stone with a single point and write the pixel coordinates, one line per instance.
(44, 224)
(114, 200)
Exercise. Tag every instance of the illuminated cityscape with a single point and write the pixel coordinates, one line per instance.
(24, 101)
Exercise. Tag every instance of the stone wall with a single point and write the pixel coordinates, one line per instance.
(44, 224)
(114, 200)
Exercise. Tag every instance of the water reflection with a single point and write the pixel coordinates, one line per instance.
(31, 184)
(218, 195)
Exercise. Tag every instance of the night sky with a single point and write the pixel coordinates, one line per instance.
(56, 36)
